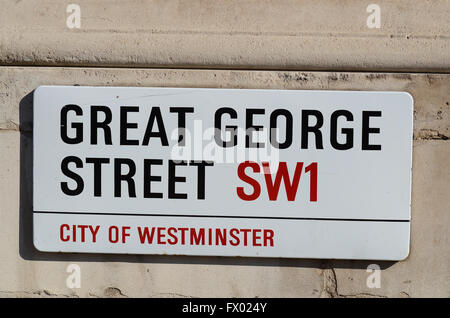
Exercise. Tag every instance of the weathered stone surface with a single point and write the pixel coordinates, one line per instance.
(288, 34)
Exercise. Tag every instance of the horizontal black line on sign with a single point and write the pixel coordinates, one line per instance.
(225, 216)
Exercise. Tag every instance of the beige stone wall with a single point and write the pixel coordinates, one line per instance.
(296, 45)
(275, 34)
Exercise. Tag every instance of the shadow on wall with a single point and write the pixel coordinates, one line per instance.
(29, 252)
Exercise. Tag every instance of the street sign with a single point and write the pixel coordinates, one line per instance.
(222, 172)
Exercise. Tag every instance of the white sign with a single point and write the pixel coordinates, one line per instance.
(229, 172)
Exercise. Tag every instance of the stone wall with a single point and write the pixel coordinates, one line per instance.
(233, 44)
